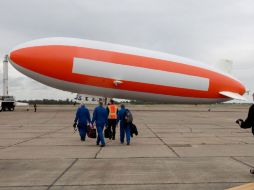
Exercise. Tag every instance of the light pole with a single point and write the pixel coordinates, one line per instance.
(5, 76)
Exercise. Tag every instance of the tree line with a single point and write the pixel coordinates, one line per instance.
(49, 101)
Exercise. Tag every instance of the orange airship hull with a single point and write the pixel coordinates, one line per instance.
(111, 70)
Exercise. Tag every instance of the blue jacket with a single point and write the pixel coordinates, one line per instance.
(100, 116)
(121, 115)
(82, 116)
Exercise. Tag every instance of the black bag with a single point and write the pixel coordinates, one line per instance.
(128, 117)
(134, 130)
(92, 133)
(88, 128)
(107, 133)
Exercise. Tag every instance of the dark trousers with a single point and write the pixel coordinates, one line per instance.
(112, 127)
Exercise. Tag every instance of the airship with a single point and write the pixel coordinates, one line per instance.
(117, 71)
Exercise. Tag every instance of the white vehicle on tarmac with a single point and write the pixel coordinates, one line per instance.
(7, 103)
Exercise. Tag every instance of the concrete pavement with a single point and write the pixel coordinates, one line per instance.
(178, 147)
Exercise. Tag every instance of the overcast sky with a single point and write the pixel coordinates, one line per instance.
(204, 30)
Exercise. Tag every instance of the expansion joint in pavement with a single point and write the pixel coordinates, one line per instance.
(49, 119)
(67, 169)
(242, 162)
(27, 140)
(95, 157)
(170, 148)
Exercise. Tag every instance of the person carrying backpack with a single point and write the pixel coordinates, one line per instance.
(125, 118)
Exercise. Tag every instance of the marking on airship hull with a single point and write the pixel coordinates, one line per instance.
(138, 74)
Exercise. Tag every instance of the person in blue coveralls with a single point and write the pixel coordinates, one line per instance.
(124, 126)
(82, 119)
(100, 116)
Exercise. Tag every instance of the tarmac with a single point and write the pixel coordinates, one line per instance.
(178, 147)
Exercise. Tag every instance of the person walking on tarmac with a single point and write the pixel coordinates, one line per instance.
(100, 118)
(124, 125)
(112, 118)
(82, 119)
(35, 107)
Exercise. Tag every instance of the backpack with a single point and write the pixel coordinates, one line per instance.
(128, 117)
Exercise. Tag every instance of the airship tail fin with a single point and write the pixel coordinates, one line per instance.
(233, 95)
(225, 65)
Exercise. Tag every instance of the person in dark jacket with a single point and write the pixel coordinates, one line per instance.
(249, 121)
(35, 107)
(124, 126)
(100, 118)
(82, 119)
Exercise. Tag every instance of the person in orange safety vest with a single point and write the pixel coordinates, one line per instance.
(112, 118)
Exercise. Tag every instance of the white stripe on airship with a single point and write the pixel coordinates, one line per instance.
(138, 74)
